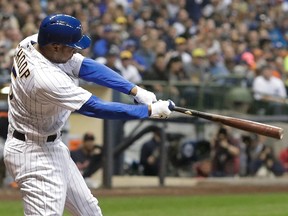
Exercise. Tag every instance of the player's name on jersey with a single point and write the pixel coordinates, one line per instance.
(22, 64)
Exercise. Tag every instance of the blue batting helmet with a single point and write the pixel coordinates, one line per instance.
(62, 29)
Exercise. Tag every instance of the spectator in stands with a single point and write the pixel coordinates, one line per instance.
(88, 158)
(262, 159)
(138, 62)
(145, 52)
(153, 34)
(158, 72)
(169, 38)
(203, 168)
(176, 75)
(6, 61)
(101, 47)
(149, 156)
(217, 68)
(246, 156)
(197, 75)
(145, 14)
(122, 23)
(112, 59)
(283, 157)
(199, 67)
(136, 33)
(225, 154)
(180, 47)
(175, 68)
(194, 9)
(270, 89)
(161, 47)
(127, 68)
(173, 7)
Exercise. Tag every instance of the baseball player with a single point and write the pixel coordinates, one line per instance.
(42, 96)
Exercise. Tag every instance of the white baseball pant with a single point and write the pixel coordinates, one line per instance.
(48, 178)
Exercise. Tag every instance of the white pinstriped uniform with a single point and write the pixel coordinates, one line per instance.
(42, 97)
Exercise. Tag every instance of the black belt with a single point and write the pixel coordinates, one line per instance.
(21, 136)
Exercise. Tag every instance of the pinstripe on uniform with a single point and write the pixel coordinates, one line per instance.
(42, 97)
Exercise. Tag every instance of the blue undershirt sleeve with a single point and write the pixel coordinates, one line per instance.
(95, 107)
(100, 74)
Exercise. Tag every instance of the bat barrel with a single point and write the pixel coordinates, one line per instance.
(242, 124)
(253, 127)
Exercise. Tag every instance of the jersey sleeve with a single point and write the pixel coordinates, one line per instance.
(95, 107)
(59, 89)
(100, 74)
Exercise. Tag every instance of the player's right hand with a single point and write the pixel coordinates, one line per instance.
(162, 109)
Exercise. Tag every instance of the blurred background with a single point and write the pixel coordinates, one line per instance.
(220, 56)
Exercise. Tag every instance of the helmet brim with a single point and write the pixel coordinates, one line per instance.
(83, 43)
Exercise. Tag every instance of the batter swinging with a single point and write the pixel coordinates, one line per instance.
(42, 96)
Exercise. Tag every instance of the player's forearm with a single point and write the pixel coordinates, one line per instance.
(97, 108)
(95, 72)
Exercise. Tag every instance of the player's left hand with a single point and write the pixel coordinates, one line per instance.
(162, 109)
(144, 97)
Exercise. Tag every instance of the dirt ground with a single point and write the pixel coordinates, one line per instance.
(213, 187)
(207, 190)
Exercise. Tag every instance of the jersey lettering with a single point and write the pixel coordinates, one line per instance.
(22, 64)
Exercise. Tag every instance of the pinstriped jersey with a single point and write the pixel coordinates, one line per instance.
(42, 94)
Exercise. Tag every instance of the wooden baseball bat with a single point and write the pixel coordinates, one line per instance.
(246, 125)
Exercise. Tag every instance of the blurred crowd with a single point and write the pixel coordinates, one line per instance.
(227, 154)
(194, 42)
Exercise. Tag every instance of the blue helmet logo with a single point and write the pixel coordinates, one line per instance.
(62, 29)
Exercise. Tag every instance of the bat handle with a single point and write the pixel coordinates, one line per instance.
(171, 105)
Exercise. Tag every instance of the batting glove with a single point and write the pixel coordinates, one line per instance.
(144, 97)
(162, 109)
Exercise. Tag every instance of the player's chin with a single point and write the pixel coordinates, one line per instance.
(61, 61)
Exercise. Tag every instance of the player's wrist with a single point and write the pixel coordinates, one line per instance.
(133, 91)
(149, 110)
(143, 96)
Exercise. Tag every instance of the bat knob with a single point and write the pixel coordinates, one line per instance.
(171, 105)
(281, 134)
